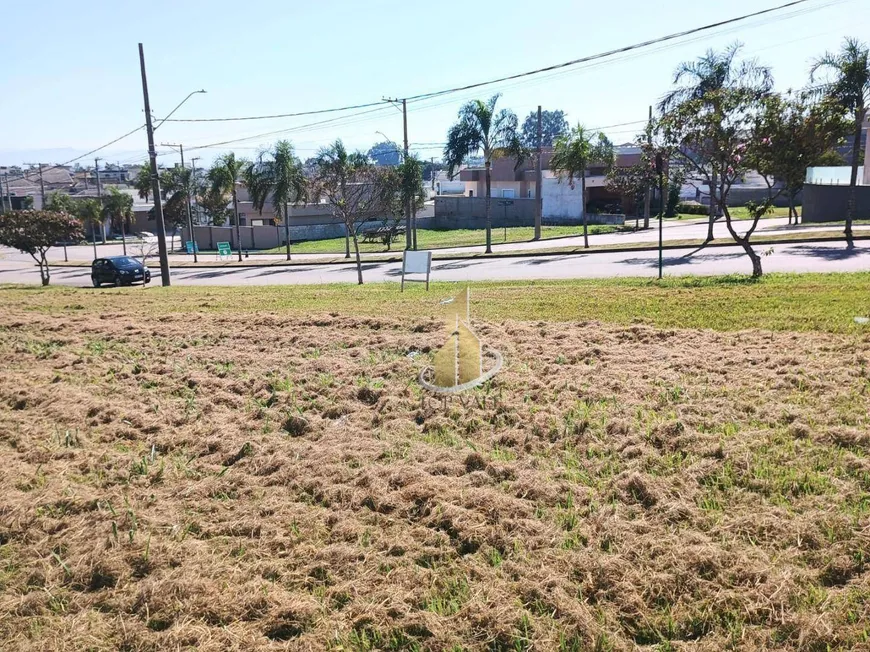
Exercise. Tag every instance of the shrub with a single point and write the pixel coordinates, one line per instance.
(688, 208)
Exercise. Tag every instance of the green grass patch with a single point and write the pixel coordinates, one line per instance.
(783, 302)
(441, 238)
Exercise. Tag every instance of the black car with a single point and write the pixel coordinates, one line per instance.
(119, 270)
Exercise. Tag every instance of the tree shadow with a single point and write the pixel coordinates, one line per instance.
(831, 253)
(677, 261)
(216, 273)
(543, 260)
(285, 269)
(458, 264)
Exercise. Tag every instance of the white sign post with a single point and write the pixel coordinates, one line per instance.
(416, 262)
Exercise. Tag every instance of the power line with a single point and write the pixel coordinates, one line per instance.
(538, 71)
(93, 151)
(610, 53)
(279, 115)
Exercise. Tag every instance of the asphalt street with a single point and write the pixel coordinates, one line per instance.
(807, 257)
(673, 230)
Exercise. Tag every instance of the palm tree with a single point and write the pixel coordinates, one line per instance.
(572, 156)
(337, 164)
(175, 185)
(277, 173)
(222, 177)
(118, 207)
(703, 79)
(480, 128)
(850, 88)
(142, 181)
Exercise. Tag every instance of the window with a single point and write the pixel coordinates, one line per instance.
(508, 193)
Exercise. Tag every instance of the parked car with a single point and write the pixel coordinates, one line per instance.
(119, 270)
(147, 235)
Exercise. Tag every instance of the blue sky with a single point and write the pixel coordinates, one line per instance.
(70, 80)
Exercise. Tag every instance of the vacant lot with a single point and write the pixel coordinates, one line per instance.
(255, 469)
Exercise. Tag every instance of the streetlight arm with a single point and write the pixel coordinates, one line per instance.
(177, 107)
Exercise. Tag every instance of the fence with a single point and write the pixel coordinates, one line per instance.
(823, 203)
(470, 213)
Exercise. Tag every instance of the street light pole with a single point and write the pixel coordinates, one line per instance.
(410, 242)
(155, 179)
(193, 181)
(99, 199)
(660, 165)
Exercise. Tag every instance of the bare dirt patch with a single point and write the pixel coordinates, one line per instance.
(261, 481)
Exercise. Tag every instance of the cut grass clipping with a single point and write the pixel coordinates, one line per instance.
(236, 470)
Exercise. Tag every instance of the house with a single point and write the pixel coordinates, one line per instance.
(28, 184)
(510, 181)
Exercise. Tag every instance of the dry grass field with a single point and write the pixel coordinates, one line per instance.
(255, 469)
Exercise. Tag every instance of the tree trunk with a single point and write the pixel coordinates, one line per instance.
(647, 201)
(238, 227)
(44, 274)
(853, 182)
(713, 207)
(488, 207)
(358, 260)
(287, 228)
(754, 257)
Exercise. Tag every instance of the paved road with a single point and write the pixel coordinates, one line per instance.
(673, 230)
(820, 257)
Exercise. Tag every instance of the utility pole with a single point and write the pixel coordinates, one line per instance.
(155, 179)
(409, 230)
(647, 200)
(42, 187)
(187, 203)
(3, 197)
(539, 180)
(432, 173)
(100, 196)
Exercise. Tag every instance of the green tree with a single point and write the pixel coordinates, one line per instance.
(142, 181)
(412, 193)
(278, 174)
(215, 206)
(35, 232)
(572, 156)
(701, 83)
(174, 184)
(793, 135)
(357, 191)
(335, 166)
(848, 84)
(385, 153)
(719, 128)
(480, 129)
(86, 210)
(553, 125)
(118, 209)
(222, 178)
